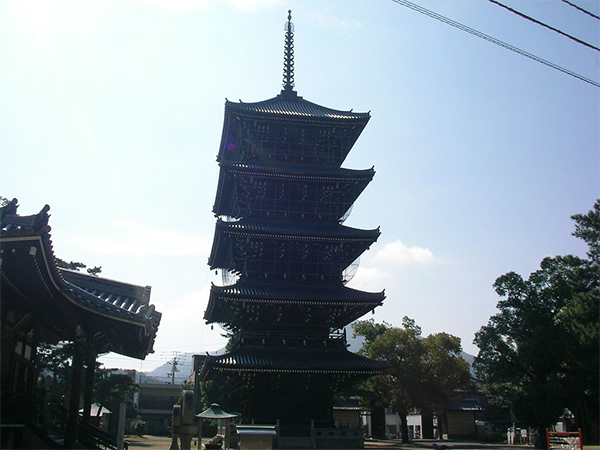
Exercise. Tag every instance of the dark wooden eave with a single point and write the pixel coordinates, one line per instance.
(288, 305)
(259, 359)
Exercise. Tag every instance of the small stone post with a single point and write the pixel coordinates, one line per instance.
(121, 429)
(174, 428)
(187, 428)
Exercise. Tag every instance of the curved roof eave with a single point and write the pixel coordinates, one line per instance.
(309, 360)
(307, 293)
(315, 232)
(307, 171)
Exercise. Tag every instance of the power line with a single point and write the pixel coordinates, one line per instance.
(581, 9)
(492, 40)
(525, 16)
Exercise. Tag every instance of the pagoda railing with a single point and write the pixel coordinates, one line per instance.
(336, 338)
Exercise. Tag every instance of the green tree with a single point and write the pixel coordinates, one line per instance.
(424, 373)
(137, 426)
(112, 389)
(77, 265)
(587, 228)
(539, 353)
(56, 371)
(54, 362)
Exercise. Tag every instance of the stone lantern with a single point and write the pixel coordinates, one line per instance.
(223, 426)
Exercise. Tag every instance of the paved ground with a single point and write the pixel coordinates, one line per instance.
(148, 442)
(163, 443)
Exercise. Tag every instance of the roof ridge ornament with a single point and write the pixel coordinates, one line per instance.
(288, 58)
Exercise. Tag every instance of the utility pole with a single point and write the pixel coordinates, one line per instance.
(174, 363)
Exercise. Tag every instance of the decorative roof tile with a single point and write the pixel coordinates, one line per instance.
(13, 225)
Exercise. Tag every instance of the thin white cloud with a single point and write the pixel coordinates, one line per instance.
(399, 252)
(335, 22)
(250, 5)
(136, 239)
(370, 279)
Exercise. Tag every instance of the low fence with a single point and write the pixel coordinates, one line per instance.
(564, 440)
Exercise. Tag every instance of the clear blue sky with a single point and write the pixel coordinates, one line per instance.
(111, 112)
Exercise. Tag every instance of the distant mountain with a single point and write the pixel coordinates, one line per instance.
(182, 371)
(183, 368)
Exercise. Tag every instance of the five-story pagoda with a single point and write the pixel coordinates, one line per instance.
(281, 200)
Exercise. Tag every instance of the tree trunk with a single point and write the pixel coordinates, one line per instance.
(586, 421)
(378, 430)
(404, 427)
(539, 439)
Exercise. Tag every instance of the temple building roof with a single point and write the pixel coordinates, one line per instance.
(112, 297)
(116, 316)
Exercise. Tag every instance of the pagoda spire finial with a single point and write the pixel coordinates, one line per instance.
(288, 56)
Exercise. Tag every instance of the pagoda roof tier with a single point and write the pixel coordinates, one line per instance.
(300, 231)
(287, 248)
(115, 316)
(317, 193)
(290, 129)
(287, 360)
(264, 305)
(293, 106)
(299, 171)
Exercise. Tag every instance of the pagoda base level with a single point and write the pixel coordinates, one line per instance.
(284, 399)
(290, 406)
(322, 438)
